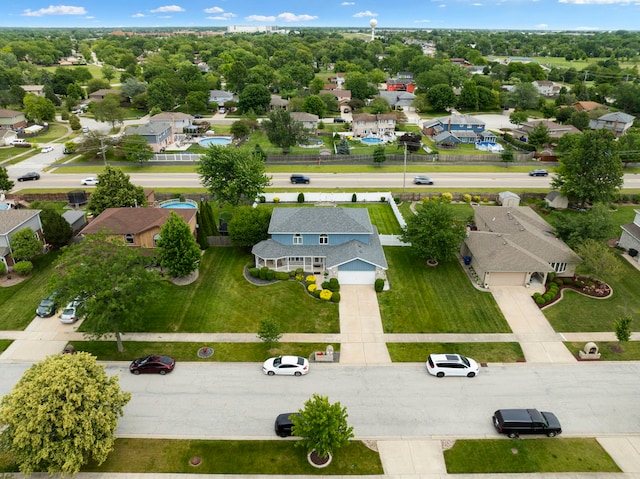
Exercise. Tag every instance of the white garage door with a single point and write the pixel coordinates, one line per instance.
(507, 279)
(356, 277)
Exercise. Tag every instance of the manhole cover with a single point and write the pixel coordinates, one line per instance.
(205, 352)
(195, 461)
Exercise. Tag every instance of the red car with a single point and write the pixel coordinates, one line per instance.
(153, 364)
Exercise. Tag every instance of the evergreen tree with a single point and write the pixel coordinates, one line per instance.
(179, 252)
(57, 231)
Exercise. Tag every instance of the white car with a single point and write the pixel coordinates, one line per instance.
(442, 365)
(91, 181)
(46, 149)
(68, 315)
(286, 365)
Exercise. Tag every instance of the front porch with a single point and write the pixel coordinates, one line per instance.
(309, 264)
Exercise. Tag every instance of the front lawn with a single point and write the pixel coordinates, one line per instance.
(423, 299)
(481, 352)
(4, 344)
(609, 350)
(501, 456)
(578, 313)
(223, 352)
(222, 300)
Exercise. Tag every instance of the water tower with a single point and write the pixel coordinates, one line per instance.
(373, 22)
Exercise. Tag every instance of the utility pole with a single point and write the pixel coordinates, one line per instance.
(404, 173)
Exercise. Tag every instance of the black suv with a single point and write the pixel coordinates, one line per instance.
(296, 178)
(514, 422)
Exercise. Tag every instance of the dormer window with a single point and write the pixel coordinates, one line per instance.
(324, 239)
(129, 238)
(297, 238)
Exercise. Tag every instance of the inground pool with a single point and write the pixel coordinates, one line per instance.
(215, 140)
(371, 141)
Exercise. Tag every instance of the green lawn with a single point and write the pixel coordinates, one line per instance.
(54, 133)
(4, 344)
(222, 300)
(501, 456)
(576, 313)
(608, 350)
(434, 300)
(18, 303)
(481, 352)
(166, 456)
(223, 352)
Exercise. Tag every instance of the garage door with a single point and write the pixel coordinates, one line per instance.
(356, 277)
(507, 279)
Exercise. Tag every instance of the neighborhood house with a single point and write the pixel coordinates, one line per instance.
(340, 242)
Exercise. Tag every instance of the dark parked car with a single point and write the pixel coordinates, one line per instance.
(47, 306)
(339, 120)
(283, 425)
(32, 175)
(514, 422)
(153, 364)
(295, 178)
(539, 172)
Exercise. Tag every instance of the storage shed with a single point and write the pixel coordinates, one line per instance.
(508, 199)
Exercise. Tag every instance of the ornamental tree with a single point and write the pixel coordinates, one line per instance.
(5, 183)
(25, 244)
(283, 130)
(433, 233)
(62, 414)
(322, 426)
(179, 251)
(137, 148)
(115, 190)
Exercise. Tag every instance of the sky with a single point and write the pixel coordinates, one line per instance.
(543, 15)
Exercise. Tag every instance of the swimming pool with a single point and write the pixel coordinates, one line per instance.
(177, 204)
(312, 143)
(4, 206)
(371, 141)
(216, 140)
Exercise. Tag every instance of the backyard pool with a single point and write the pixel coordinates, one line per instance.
(216, 140)
(312, 143)
(176, 203)
(371, 141)
(4, 206)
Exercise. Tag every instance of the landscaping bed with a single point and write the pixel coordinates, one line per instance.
(593, 288)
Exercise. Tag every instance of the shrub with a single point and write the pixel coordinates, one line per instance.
(254, 272)
(300, 197)
(551, 276)
(262, 199)
(299, 277)
(299, 271)
(292, 274)
(559, 281)
(335, 297)
(567, 280)
(263, 272)
(540, 300)
(536, 295)
(312, 287)
(579, 284)
(23, 267)
(316, 292)
(383, 199)
(354, 198)
(476, 199)
(466, 198)
(276, 200)
(3, 268)
(271, 274)
(397, 201)
(310, 279)
(326, 294)
(325, 285)
(447, 197)
(425, 199)
(281, 275)
(334, 285)
(547, 297)
(378, 285)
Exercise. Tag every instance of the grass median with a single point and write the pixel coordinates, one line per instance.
(501, 456)
(481, 352)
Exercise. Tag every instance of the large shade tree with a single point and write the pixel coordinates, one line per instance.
(232, 175)
(115, 190)
(433, 232)
(592, 170)
(283, 130)
(113, 281)
(61, 414)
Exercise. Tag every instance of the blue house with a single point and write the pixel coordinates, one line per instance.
(341, 242)
(457, 129)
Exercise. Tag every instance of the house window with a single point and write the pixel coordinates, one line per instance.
(129, 238)
(156, 237)
(324, 239)
(297, 238)
(559, 267)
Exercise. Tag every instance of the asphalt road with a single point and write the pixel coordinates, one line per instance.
(235, 400)
(377, 181)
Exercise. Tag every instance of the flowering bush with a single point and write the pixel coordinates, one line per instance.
(476, 199)
(466, 198)
(310, 279)
(276, 200)
(326, 294)
(447, 197)
(299, 277)
(312, 287)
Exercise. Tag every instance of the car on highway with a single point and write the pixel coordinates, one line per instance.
(441, 365)
(296, 178)
(91, 181)
(539, 172)
(32, 175)
(286, 365)
(283, 425)
(514, 422)
(46, 149)
(422, 180)
(153, 364)
(69, 313)
(47, 306)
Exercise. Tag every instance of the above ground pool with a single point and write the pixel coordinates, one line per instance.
(215, 140)
(371, 141)
(176, 203)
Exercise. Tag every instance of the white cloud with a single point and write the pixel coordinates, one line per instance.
(596, 2)
(55, 10)
(167, 9)
(476, 4)
(89, 17)
(213, 10)
(442, 5)
(224, 16)
(260, 18)
(291, 17)
(542, 26)
(366, 13)
(138, 15)
(422, 21)
(346, 4)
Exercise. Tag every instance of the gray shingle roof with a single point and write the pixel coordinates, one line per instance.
(320, 220)
(12, 219)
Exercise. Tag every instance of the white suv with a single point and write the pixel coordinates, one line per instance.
(441, 365)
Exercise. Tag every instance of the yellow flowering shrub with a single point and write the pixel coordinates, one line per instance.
(325, 294)
(312, 287)
(310, 279)
(447, 197)
(276, 200)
